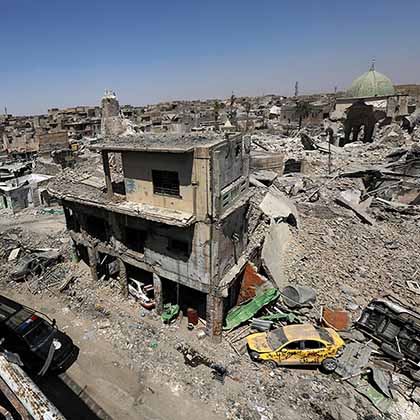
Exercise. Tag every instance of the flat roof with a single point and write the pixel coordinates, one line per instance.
(171, 143)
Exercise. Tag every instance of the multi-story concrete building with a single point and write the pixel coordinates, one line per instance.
(177, 221)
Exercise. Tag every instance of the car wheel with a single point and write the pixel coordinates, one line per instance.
(390, 351)
(415, 375)
(29, 277)
(255, 356)
(329, 365)
(270, 364)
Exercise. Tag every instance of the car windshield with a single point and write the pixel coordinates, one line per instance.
(276, 338)
(38, 334)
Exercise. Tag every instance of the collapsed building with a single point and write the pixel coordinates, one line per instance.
(176, 220)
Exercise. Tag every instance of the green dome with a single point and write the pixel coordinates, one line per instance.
(371, 84)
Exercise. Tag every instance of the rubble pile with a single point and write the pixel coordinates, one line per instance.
(323, 242)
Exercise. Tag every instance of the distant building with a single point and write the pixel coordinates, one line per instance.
(376, 89)
(370, 98)
(25, 191)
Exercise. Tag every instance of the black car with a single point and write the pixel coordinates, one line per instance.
(34, 264)
(38, 342)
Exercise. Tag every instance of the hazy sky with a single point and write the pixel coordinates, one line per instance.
(66, 53)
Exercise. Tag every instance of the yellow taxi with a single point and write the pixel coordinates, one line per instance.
(296, 345)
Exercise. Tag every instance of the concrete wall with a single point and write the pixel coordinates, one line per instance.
(230, 173)
(138, 168)
(228, 159)
(52, 141)
(226, 246)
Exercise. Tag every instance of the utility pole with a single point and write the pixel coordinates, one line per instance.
(296, 88)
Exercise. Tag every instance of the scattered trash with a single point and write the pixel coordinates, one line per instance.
(239, 314)
(261, 324)
(219, 372)
(337, 319)
(13, 254)
(414, 286)
(351, 200)
(298, 296)
(170, 312)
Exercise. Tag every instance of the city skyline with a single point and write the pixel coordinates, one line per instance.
(59, 55)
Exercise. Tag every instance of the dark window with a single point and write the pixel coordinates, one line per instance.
(313, 345)
(295, 345)
(97, 227)
(178, 246)
(38, 334)
(135, 239)
(165, 182)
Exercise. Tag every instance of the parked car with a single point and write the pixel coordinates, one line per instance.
(143, 292)
(34, 264)
(296, 345)
(397, 327)
(40, 345)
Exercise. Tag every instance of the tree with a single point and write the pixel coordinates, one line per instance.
(303, 109)
(216, 111)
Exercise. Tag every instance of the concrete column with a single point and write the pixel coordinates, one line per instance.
(123, 278)
(214, 317)
(67, 217)
(75, 256)
(157, 285)
(93, 261)
(107, 172)
(117, 232)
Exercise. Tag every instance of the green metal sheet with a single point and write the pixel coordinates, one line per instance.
(379, 400)
(292, 318)
(239, 314)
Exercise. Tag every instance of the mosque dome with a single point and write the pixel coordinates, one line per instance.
(371, 84)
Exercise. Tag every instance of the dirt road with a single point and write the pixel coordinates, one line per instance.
(107, 376)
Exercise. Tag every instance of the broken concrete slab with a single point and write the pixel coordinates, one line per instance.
(13, 254)
(265, 176)
(255, 183)
(279, 207)
(353, 362)
(351, 200)
(414, 286)
(383, 380)
(272, 255)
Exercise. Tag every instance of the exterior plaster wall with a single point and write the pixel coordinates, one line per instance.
(138, 180)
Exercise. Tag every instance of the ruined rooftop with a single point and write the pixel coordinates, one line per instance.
(174, 143)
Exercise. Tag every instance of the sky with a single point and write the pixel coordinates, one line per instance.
(66, 53)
